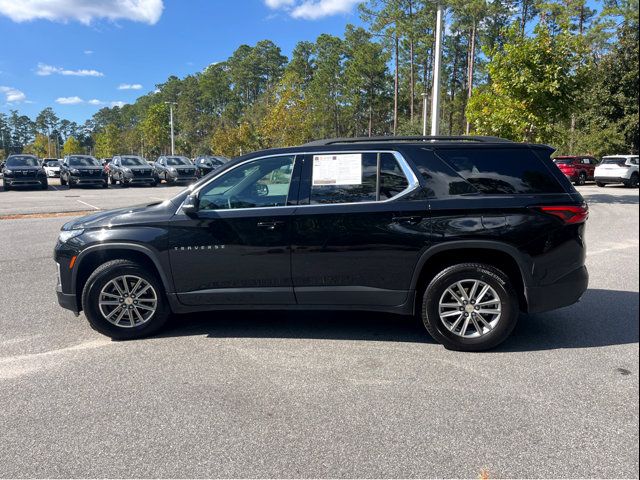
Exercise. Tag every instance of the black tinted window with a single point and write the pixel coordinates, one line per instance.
(501, 170)
(83, 162)
(392, 179)
(22, 161)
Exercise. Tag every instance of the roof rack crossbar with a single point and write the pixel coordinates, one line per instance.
(427, 138)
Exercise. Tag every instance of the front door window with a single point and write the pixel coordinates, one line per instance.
(257, 184)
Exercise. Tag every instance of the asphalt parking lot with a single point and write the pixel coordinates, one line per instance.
(276, 394)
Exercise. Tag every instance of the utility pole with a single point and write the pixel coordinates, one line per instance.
(424, 114)
(171, 104)
(435, 92)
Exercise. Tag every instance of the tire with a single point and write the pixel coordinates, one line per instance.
(6, 187)
(44, 186)
(100, 278)
(499, 326)
(582, 179)
(112, 180)
(632, 182)
(600, 184)
(63, 182)
(105, 184)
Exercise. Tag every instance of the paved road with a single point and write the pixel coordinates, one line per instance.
(63, 199)
(323, 395)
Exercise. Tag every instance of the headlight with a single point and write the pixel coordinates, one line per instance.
(172, 170)
(42, 171)
(66, 235)
(7, 171)
(75, 171)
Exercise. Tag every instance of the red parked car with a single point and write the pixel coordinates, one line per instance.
(578, 169)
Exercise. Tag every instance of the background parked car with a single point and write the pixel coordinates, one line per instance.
(131, 169)
(23, 171)
(618, 169)
(579, 169)
(78, 170)
(51, 166)
(208, 163)
(173, 169)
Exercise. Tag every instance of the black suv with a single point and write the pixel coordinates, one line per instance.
(77, 170)
(23, 171)
(131, 170)
(465, 232)
(173, 169)
(205, 164)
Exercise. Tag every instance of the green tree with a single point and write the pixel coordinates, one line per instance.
(72, 146)
(155, 129)
(39, 147)
(534, 81)
(108, 142)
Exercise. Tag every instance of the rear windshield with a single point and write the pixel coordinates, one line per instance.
(564, 160)
(84, 162)
(501, 170)
(614, 161)
(173, 161)
(132, 161)
(22, 161)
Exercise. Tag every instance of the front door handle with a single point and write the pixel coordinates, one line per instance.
(407, 219)
(270, 225)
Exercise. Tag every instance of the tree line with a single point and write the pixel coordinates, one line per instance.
(557, 72)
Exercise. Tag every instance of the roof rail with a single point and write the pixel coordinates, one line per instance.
(428, 138)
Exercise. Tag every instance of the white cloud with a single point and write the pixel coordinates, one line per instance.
(129, 86)
(69, 100)
(84, 11)
(279, 3)
(119, 103)
(88, 52)
(95, 101)
(13, 95)
(313, 9)
(46, 70)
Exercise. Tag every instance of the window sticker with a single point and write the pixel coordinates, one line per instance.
(344, 169)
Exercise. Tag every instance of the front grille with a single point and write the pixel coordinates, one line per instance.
(185, 171)
(141, 173)
(26, 173)
(90, 173)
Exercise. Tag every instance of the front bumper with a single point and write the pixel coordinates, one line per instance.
(564, 292)
(75, 180)
(183, 178)
(51, 174)
(67, 300)
(141, 180)
(25, 182)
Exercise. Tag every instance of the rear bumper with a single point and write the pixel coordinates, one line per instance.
(611, 179)
(564, 292)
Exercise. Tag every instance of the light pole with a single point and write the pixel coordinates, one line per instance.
(171, 104)
(435, 93)
(424, 114)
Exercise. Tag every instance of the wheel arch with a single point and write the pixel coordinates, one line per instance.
(502, 256)
(92, 257)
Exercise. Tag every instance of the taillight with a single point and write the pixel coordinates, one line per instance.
(569, 214)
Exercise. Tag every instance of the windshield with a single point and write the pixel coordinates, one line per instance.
(132, 161)
(83, 162)
(212, 160)
(51, 163)
(22, 161)
(173, 161)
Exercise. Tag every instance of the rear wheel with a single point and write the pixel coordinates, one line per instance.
(470, 307)
(582, 179)
(123, 300)
(600, 184)
(633, 181)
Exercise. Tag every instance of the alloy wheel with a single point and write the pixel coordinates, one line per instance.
(470, 308)
(128, 301)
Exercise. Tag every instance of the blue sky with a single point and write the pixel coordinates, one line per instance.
(80, 55)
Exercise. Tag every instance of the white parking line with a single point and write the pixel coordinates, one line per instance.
(88, 205)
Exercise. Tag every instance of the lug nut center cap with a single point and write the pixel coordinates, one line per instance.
(469, 308)
(128, 300)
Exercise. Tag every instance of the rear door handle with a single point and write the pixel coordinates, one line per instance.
(407, 219)
(270, 225)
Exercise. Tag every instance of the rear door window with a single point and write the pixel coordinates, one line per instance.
(501, 171)
(355, 177)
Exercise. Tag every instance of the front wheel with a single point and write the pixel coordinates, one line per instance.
(582, 179)
(632, 182)
(470, 307)
(63, 182)
(124, 300)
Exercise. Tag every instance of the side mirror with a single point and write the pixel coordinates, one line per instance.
(190, 206)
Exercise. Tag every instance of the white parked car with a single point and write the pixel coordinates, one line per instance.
(51, 166)
(618, 169)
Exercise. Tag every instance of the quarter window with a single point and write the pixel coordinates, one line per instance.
(257, 184)
(355, 177)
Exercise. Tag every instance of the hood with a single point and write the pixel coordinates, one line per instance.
(138, 215)
(92, 167)
(22, 168)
